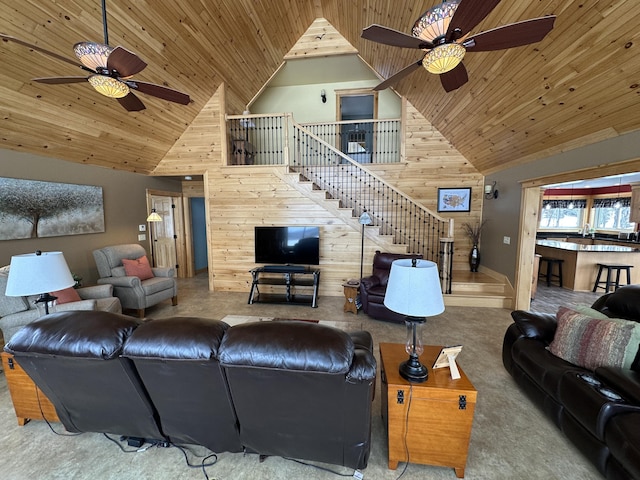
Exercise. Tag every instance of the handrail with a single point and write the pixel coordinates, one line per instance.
(360, 189)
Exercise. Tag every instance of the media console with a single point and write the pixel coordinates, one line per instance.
(291, 278)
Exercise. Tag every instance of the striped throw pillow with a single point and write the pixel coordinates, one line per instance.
(595, 342)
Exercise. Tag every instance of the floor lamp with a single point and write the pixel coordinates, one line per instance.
(365, 219)
(152, 219)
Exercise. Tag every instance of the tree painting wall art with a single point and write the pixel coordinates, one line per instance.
(34, 209)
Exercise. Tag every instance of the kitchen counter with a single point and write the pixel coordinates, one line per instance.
(580, 267)
(577, 247)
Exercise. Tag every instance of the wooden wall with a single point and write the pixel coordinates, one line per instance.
(431, 162)
(240, 197)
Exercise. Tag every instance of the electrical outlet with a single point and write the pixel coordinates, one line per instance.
(142, 237)
(506, 240)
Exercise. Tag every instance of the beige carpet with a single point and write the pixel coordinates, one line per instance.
(510, 440)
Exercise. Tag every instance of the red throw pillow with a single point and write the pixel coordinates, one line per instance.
(138, 268)
(67, 295)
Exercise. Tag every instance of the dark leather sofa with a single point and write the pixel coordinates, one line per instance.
(288, 388)
(374, 287)
(599, 411)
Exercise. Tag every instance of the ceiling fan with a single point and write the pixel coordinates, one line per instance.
(443, 33)
(110, 71)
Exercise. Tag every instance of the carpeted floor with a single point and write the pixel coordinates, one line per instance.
(511, 439)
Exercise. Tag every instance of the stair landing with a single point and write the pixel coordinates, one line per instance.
(477, 289)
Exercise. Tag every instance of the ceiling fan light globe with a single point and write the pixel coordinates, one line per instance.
(92, 55)
(443, 58)
(109, 87)
(434, 22)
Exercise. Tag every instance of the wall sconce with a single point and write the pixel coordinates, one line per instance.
(490, 191)
(323, 96)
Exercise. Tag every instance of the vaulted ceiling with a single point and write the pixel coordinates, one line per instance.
(580, 85)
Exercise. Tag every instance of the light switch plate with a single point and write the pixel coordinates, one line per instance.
(142, 237)
(142, 227)
(506, 240)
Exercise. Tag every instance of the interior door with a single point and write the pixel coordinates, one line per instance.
(163, 234)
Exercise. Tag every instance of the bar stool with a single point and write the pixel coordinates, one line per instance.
(549, 272)
(608, 283)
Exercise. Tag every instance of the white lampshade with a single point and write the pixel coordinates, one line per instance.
(414, 290)
(37, 273)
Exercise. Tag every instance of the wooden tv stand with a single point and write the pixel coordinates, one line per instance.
(291, 278)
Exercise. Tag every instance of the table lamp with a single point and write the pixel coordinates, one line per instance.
(414, 290)
(38, 273)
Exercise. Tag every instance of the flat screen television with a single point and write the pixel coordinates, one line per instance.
(287, 245)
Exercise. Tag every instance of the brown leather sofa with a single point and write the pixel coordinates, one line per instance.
(599, 411)
(374, 287)
(288, 388)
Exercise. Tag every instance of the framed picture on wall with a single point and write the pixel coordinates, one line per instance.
(454, 199)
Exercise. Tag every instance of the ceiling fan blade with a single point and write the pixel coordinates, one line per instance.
(131, 103)
(59, 80)
(126, 63)
(511, 35)
(159, 91)
(468, 14)
(9, 38)
(398, 76)
(455, 78)
(389, 36)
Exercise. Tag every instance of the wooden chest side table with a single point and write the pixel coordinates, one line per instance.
(351, 291)
(29, 402)
(432, 420)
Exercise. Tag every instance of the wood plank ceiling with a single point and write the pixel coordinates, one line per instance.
(580, 85)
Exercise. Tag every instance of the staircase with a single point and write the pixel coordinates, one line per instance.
(467, 289)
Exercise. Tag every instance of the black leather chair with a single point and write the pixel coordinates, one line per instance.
(177, 359)
(74, 357)
(374, 287)
(302, 390)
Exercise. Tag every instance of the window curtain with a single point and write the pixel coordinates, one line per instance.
(564, 203)
(611, 202)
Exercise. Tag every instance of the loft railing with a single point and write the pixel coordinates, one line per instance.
(365, 141)
(259, 139)
(265, 140)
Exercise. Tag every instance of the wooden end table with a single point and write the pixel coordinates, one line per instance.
(440, 412)
(29, 402)
(351, 291)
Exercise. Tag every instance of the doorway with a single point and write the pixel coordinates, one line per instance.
(530, 215)
(166, 237)
(357, 136)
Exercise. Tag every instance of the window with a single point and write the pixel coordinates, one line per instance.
(558, 214)
(612, 214)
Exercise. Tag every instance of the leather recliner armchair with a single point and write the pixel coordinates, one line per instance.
(75, 359)
(302, 390)
(177, 359)
(374, 287)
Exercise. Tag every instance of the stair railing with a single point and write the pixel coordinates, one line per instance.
(393, 212)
